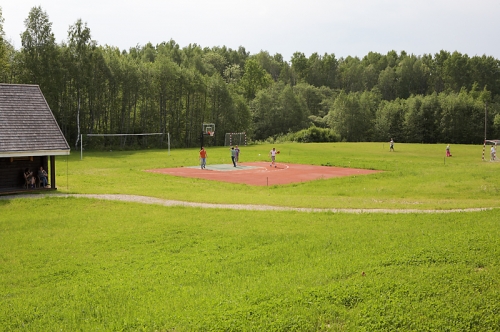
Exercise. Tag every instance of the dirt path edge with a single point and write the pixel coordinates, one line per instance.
(250, 207)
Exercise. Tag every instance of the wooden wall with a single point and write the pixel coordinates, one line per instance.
(12, 169)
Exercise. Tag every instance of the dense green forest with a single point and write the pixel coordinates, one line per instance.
(165, 88)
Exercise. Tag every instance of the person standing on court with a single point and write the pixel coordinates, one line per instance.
(203, 157)
(237, 149)
(272, 153)
(233, 156)
(391, 148)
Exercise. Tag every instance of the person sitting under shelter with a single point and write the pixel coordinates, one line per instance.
(29, 178)
(42, 177)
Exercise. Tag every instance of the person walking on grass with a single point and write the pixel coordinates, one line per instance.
(233, 156)
(391, 147)
(203, 157)
(448, 153)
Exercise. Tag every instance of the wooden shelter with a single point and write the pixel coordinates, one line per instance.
(29, 137)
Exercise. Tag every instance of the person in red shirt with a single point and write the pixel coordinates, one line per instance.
(203, 157)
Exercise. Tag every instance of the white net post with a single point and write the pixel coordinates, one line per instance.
(484, 148)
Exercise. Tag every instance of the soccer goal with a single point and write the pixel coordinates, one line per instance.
(493, 144)
(109, 140)
(235, 139)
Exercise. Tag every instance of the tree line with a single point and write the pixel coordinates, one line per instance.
(166, 88)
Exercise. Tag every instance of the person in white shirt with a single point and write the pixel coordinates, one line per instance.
(273, 153)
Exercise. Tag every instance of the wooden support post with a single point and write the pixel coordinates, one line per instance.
(53, 172)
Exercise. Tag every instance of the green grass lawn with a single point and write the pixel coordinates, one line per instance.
(415, 176)
(75, 264)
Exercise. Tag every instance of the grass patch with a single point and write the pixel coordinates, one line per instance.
(81, 264)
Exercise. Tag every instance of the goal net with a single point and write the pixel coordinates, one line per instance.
(235, 139)
(490, 147)
(124, 141)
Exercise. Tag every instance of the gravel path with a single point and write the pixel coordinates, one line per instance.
(167, 202)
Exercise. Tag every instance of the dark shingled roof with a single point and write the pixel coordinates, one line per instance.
(27, 125)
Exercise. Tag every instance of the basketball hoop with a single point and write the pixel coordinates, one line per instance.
(208, 129)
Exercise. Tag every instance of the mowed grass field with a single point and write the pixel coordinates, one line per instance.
(75, 264)
(414, 176)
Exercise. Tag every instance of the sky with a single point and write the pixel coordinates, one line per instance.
(340, 27)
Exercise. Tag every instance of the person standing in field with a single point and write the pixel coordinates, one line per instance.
(237, 149)
(203, 157)
(391, 147)
(272, 154)
(448, 153)
(493, 153)
(233, 156)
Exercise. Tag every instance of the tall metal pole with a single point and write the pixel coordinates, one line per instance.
(485, 118)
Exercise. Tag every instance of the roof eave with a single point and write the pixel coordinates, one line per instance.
(15, 154)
